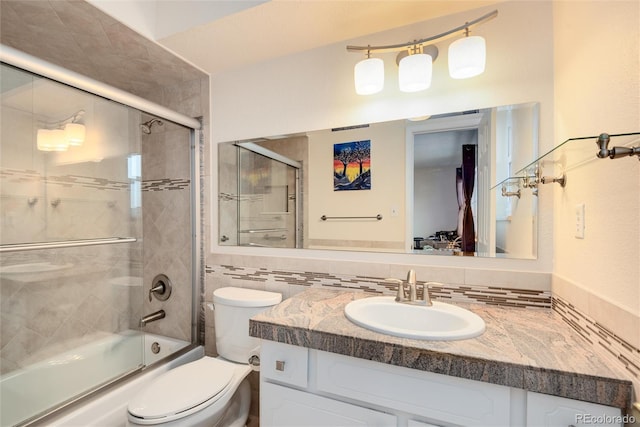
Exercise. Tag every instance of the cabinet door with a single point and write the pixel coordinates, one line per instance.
(282, 406)
(447, 399)
(551, 411)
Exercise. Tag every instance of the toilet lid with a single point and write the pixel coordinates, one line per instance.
(242, 297)
(182, 388)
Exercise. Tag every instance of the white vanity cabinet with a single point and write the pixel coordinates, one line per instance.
(301, 387)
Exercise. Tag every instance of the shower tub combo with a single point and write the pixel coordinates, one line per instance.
(81, 239)
(36, 388)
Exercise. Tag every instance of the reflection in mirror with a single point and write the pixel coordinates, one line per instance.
(259, 196)
(432, 187)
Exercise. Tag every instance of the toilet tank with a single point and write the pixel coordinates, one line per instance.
(233, 307)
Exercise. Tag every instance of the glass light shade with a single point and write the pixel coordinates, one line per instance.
(368, 76)
(51, 140)
(467, 57)
(74, 133)
(415, 72)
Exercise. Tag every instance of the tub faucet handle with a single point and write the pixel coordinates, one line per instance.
(160, 288)
(157, 289)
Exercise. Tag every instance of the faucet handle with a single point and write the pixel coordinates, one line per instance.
(161, 288)
(400, 295)
(426, 295)
(157, 289)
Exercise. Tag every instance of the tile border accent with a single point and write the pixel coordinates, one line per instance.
(165, 184)
(26, 175)
(600, 337)
(492, 295)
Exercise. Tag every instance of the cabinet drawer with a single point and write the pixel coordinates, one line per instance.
(434, 396)
(281, 407)
(284, 363)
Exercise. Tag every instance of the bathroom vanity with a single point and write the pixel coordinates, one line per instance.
(527, 369)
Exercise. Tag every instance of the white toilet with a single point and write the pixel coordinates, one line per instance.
(209, 391)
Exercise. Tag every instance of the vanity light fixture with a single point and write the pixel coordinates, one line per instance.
(467, 58)
(51, 140)
(415, 70)
(58, 136)
(368, 75)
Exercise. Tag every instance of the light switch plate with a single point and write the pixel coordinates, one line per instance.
(580, 221)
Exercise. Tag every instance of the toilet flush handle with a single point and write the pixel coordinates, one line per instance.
(254, 360)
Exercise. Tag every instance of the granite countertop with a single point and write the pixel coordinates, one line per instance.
(531, 349)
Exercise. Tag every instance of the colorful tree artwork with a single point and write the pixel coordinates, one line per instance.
(352, 166)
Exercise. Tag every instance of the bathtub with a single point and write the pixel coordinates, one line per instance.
(36, 388)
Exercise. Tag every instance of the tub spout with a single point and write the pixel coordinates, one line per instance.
(152, 317)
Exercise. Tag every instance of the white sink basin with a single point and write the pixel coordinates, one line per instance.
(440, 322)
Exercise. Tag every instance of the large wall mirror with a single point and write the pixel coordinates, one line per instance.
(426, 186)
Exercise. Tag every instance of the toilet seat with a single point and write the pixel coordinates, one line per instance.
(206, 380)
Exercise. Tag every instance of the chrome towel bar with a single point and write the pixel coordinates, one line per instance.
(324, 217)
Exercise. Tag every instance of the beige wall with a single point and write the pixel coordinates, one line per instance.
(387, 190)
(598, 90)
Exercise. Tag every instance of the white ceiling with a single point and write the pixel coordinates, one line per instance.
(218, 35)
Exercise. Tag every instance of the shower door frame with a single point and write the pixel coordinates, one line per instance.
(70, 78)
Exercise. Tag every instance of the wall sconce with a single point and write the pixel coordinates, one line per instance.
(58, 136)
(467, 58)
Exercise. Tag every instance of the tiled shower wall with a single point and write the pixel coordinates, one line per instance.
(166, 199)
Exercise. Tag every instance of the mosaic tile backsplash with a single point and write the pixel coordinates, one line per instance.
(291, 282)
(599, 336)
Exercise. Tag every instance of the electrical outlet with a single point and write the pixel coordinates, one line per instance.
(580, 221)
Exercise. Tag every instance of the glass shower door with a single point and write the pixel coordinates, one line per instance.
(267, 201)
(70, 243)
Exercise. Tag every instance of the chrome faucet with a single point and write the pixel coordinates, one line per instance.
(152, 317)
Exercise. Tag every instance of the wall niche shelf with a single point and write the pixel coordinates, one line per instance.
(551, 166)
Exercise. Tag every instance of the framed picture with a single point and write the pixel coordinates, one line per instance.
(352, 166)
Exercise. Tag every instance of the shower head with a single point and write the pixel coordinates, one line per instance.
(146, 126)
